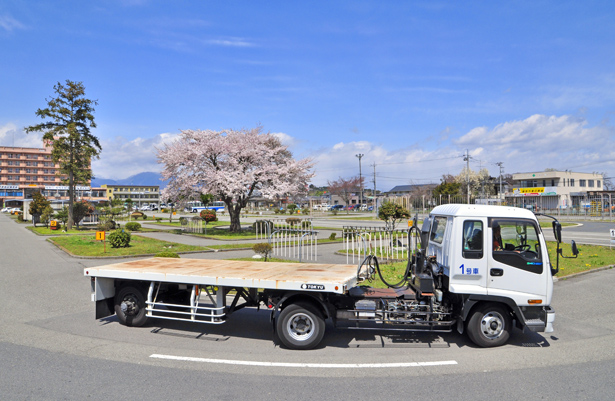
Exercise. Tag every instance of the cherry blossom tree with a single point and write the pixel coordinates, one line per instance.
(232, 165)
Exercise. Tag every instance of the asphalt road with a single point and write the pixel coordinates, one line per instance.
(51, 347)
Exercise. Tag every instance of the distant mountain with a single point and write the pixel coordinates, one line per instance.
(147, 178)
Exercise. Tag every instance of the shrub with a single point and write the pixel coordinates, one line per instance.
(107, 225)
(209, 215)
(158, 219)
(293, 221)
(261, 226)
(133, 226)
(119, 239)
(183, 221)
(332, 236)
(166, 254)
(305, 210)
(263, 249)
(144, 216)
(306, 224)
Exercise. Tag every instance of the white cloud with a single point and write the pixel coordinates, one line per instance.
(9, 23)
(11, 135)
(540, 142)
(121, 158)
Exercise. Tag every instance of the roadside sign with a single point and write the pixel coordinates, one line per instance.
(100, 236)
(612, 238)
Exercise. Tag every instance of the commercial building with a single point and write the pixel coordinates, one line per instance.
(24, 171)
(139, 194)
(553, 189)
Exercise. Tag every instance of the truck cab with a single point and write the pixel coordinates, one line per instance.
(494, 258)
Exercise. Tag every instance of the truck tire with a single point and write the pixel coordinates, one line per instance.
(490, 326)
(130, 306)
(300, 326)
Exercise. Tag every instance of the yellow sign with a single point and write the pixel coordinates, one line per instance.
(53, 223)
(100, 235)
(537, 190)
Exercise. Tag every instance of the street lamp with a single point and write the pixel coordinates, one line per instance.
(360, 155)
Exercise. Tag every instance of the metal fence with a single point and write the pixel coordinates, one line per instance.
(574, 207)
(294, 244)
(385, 244)
(290, 238)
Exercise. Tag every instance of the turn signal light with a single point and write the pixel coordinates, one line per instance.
(534, 301)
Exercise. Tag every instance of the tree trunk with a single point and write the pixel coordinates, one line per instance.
(235, 212)
(71, 201)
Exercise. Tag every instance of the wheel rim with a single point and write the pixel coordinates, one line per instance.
(300, 327)
(492, 325)
(130, 305)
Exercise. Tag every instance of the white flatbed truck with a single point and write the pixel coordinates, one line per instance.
(458, 276)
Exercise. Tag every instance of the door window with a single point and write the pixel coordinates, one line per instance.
(473, 239)
(516, 243)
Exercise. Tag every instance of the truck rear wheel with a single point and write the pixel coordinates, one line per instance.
(300, 326)
(130, 306)
(490, 326)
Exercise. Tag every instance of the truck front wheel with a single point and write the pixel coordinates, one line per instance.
(490, 326)
(300, 326)
(130, 306)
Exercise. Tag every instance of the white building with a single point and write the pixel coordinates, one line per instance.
(553, 189)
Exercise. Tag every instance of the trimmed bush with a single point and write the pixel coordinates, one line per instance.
(166, 254)
(119, 239)
(106, 225)
(183, 221)
(261, 226)
(263, 249)
(293, 221)
(133, 226)
(209, 215)
(332, 236)
(306, 224)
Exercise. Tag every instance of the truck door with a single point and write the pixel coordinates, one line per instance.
(469, 273)
(515, 260)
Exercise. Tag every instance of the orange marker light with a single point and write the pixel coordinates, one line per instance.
(534, 301)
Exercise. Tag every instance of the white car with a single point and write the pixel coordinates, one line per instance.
(144, 208)
(4, 210)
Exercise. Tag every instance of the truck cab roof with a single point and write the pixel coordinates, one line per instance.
(482, 211)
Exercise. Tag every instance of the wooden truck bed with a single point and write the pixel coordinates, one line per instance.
(232, 273)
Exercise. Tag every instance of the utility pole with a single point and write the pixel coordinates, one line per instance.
(501, 168)
(374, 202)
(360, 155)
(467, 160)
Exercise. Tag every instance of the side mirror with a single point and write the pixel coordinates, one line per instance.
(557, 231)
(575, 251)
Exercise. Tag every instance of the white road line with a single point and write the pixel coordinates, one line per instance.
(306, 365)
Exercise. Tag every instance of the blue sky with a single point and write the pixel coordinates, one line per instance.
(411, 85)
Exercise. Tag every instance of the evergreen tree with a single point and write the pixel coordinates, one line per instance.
(68, 132)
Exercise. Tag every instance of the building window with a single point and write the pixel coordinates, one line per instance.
(572, 182)
(552, 183)
(590, 183)
(582, 183)
(598, 183)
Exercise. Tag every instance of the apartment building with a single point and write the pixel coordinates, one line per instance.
(553, 189)
(139, 194)
(24, 171)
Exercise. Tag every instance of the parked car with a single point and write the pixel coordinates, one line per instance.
(5, 210)
(337, 207)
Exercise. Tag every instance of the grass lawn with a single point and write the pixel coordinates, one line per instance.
(86, 245)
(590, 257)
(42, 230)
